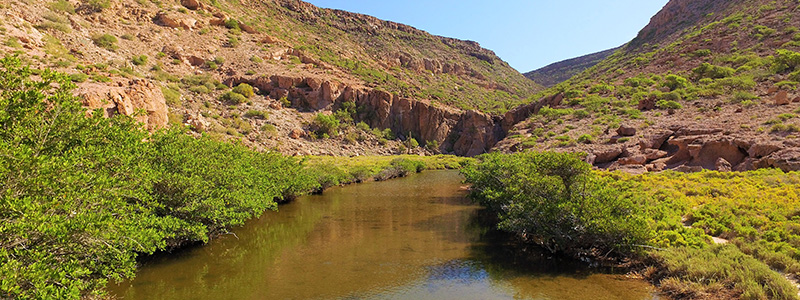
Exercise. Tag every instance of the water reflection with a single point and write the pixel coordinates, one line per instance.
(412, 238)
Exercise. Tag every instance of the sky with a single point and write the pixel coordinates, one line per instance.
(528, 34)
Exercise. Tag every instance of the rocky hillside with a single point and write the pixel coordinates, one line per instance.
(311, 75)
(559, 72)
(707, 84)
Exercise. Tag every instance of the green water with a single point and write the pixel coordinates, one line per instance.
(409, 238)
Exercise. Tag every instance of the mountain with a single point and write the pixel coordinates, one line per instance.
(559, 72)
(178, 60)
(705, 85)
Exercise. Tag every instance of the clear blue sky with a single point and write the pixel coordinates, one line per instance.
(528, 34)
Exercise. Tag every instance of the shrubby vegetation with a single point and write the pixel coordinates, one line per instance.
(332, 171)
(666, 219)
(82, 197)
(554, 200)
(757, 211)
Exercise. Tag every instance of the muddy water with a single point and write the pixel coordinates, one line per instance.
(410, 238)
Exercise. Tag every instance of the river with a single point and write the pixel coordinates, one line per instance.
(411, 238)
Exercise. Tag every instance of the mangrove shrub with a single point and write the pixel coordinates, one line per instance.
(554, 200)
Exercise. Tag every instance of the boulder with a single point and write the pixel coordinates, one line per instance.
(647, 104)
(653, 154)
(607, 154)
(695, 130)
(655, 140)
(191, 4)
(174, 21)
(198, 123)
(796, 99)
(762, 149)
(626, 130)
(787, 160)
(639, 159)
(723, 165)
(782, 98)
(127, 97)
(195, 61)
(296, 133)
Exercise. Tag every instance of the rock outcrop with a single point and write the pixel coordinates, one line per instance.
(689, 148)
(138, 98)
(460, 132)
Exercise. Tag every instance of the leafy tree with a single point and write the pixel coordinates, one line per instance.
(553, 199)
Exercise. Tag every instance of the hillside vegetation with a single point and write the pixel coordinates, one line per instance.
(729, 67)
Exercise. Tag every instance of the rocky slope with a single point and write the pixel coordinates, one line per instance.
(178, 60)
(707, 84)
(559, 72)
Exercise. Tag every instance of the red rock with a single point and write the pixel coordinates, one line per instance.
(760, 150)
(195, 61)
(723, 165)
(607, 154)
(796, 99)
(655, 140)
(782, 98)
(296, 133)
(647, 104)
(633, 160)
(653, 154)
(626, 130)
(190, 4)
(787, 160)
(127, 98)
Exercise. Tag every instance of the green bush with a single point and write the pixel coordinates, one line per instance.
(233, 98)
(257, 114)
(84, 196)
(106, 41)
(668, 104)
(62, 5)
(78, 77)
(674, 82)
(139, 60)
(98, 5)
(554, 200)
(785, 60)
(325, 125)
(244, 89)
(707, 70)
(232, 24)
(585, 139)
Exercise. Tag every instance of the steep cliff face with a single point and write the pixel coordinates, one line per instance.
(461, 132)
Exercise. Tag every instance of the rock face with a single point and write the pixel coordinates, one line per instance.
(467, 133)
(688, 147)
(127, 98)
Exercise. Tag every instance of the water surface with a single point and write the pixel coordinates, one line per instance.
(409, 238)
